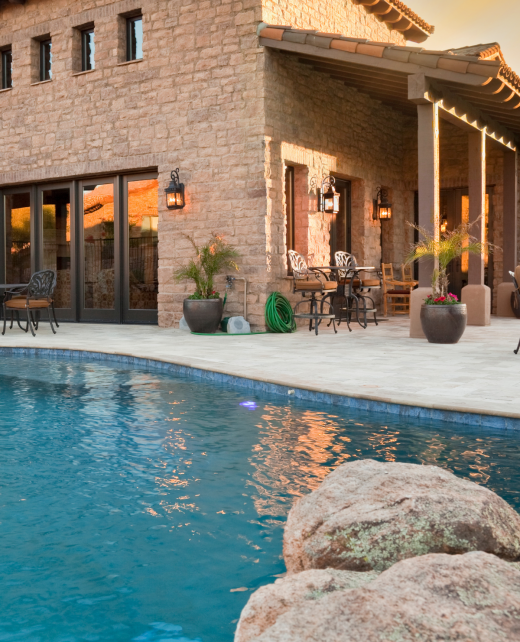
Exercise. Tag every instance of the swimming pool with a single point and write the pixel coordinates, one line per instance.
(137, 505)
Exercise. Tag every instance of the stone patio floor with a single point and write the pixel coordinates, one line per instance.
(479, 374)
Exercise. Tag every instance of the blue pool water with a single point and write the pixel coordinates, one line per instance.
(136, 505)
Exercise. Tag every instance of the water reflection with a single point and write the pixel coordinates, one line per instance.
(152, 503)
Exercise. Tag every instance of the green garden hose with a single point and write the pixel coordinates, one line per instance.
(278, 314)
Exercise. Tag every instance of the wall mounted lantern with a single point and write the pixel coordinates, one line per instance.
(382, 206)
(175, 192)
(444, 225)
(328, 197)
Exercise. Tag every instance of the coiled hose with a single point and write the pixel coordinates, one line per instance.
(278, 314)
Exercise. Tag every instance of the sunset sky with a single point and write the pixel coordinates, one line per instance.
(468, 22)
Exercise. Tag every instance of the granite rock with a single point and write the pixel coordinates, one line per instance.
(368, 515)
(473, 597)
(269, 602)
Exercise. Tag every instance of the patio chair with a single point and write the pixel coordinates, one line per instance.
(310, 282)
(360, 289)
(35, 297)
(407, 274)
(395, 292)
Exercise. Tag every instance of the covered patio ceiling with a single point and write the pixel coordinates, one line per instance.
(473, 86)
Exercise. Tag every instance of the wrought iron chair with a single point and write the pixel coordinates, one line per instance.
(359, 289)
(38, 296)
(310, 282)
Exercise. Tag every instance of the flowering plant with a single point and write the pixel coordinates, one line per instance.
(210, 259)
(443, 249)
(450, 299)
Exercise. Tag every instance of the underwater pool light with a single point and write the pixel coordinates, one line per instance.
(248, 404)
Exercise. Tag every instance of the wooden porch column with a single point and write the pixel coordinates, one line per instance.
(476, 295)
(509, 244)
(429, 202)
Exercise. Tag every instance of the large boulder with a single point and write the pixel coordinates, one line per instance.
(368, 515)
(473, 597)
(267, 604)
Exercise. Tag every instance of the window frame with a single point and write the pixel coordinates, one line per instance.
(85, 46)
(130, 22)
(5, 53)
(43, 69)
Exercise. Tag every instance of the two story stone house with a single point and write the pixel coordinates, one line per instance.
(255, 101)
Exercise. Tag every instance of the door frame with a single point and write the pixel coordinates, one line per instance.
(90, 314)
(128, 315)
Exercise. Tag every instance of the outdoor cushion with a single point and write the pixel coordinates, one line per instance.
(315, 285)
(19, 304)
(399, 292)
(356, 283)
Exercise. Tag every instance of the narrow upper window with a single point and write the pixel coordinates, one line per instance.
(134, 38)
(45, 60)
(7, 69)
(88, 50)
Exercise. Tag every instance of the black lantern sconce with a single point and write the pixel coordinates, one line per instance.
(382, 206)
(328, 197)
(175, 192)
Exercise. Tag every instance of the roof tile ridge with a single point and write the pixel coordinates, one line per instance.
(409, 13)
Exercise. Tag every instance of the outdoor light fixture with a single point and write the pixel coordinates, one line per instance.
(175, 192)
(328, 197)
(444, 225)
(382, 207)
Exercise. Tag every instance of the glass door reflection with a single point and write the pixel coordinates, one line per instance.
(56, 249)
(99, 252)
(140, 261)
(17, 248)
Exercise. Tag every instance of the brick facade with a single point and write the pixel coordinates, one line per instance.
(207, 99)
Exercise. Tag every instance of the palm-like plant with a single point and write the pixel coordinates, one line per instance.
(210, 259)
(450, 245)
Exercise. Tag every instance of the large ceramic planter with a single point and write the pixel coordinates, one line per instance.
(203, 315)
(444, 323)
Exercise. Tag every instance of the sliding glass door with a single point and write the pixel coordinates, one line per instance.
(56, 251)
(100, 236)
(140, 244)
(17, 258)
(99, 278)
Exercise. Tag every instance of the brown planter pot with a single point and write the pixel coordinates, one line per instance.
(203, 315)
(444, 323)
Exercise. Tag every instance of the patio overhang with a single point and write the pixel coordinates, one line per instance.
(482, 94)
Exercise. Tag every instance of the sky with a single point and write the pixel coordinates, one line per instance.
(468, 22)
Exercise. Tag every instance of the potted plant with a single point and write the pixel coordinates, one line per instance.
(203, 309)
(443, 317)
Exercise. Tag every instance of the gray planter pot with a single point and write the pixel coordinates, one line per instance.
(203, 315)
(444, 323)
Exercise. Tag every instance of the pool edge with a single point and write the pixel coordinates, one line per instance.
(314, 394)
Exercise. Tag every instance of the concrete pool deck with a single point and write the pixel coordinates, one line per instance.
(478, 375)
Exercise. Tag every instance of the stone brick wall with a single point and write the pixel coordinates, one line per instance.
(320, 126)
(335, 16)
(194, 102)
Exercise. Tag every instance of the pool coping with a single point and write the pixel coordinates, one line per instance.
(369, 403)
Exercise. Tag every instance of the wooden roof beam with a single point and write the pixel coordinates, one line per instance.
(455, 109)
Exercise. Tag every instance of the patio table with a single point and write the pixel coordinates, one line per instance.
(352, 274)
